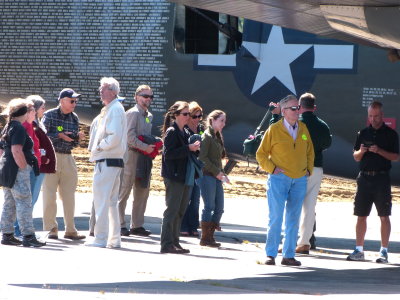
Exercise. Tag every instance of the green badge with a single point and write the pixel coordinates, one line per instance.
(304, 137)
(60, 128)
(147, 120)
(201, 132)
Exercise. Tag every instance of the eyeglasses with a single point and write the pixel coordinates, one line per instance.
(184, 114)
(73, 101)
(293, 108)
(146, 96)
(197, 117)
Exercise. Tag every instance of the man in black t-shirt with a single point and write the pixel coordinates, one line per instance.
(375, 148)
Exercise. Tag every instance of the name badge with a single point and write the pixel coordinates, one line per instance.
(147, 120)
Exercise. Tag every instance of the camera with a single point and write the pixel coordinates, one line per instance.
(368, 144)
(73, 136)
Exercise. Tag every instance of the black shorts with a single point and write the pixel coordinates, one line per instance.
(373, 190)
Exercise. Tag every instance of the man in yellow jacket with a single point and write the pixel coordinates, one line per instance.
(286, 153)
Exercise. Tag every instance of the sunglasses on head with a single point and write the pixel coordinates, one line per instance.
(184, 114)
(146, 96)
(197, 116)
(293, 108)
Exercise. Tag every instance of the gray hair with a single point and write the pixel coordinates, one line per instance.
(112, 83)
(37, 100)
(285, 100)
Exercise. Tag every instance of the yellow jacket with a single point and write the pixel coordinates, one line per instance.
(278, 149)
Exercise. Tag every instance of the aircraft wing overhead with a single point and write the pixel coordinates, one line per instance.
(366, 22)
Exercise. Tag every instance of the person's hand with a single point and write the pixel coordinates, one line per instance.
(278, 171)
(374, 149)
(220, 175)
(47, 161)
(195, 146)
(277, 108)
(65, 137)
(364, 149)
(150, 148)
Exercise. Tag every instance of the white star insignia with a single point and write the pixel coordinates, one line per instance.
(275, 57)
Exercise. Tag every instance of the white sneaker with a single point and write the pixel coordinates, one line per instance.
(113, 246)
(94, 244)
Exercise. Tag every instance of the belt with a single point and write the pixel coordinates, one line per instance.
(64, 151)
(373, 173)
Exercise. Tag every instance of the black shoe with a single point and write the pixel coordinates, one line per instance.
(270, 261)
(140, 231)
(172, 249)
(31, 241)
(124, 231)
(10, 239)
(313, 241)
(184, 251)
(290, 262)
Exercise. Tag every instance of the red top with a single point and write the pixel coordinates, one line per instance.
(36, 145)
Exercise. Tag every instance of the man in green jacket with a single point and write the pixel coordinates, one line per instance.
(322, 139)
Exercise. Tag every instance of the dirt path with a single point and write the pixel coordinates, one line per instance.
(246, 181)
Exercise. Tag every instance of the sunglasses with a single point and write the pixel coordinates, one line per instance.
(146, 96)
(293, 108)
(73, 101)
(197, 117)
(184, 114)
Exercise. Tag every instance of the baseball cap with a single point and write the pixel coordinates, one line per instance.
(70, 93)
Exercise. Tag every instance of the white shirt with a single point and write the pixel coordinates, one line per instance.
(292, 129)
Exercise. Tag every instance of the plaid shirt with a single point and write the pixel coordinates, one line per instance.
(56, 122)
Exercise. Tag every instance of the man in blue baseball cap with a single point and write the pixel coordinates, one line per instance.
(62, 126)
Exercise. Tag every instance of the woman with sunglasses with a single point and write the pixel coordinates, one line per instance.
(175, 158)
(211, 153)
(16, 165)
(190, 221)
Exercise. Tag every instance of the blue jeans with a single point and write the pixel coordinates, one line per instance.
(36, 184)
(212, 193)
(284, 191)
(190, 221)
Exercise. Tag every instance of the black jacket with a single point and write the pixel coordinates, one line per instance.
(175, 154)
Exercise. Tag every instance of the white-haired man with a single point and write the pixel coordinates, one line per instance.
(107, 147)
(286, 153)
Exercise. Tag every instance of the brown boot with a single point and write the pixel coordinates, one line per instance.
(206, 235)
(214, 226)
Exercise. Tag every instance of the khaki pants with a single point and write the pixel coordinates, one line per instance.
(65, 181)
(140, 195)
(307, 219)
